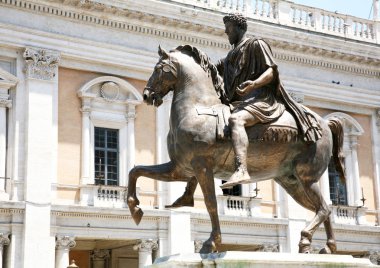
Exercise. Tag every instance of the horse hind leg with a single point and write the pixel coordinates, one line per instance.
(297, 190)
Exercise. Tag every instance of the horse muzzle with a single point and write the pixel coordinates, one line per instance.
(152, 98)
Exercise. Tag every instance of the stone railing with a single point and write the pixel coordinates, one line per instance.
(238, 206)
(104, 196)
(299, 16)
(348, 215)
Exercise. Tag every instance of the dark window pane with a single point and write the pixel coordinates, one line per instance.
(235, 191)
(106, 156)
(338, 191)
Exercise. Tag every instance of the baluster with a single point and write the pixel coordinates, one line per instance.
(256, 7)
(293, 15)
(307, 18)
(300, 16)
(238, 5)
(262, 8)
(323, 22)
(272, 9)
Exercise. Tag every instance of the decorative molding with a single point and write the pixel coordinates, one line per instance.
(235, 224)
(298, 97)
(102, 215)
(348, 66)
(11, 211)
(64, 242)
(110, 91)
(146, 245)
(198, 244)
(269, 248)
(84, 15)
(4, 241)
(41, 63)
(100, 254)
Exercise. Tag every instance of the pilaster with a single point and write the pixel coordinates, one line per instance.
(376, 158)
(63, 244)
(5, 103)
(41, 89)
(145, 248)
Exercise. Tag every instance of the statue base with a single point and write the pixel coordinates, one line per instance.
(239, 259)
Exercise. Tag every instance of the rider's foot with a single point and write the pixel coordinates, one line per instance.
(240, 176)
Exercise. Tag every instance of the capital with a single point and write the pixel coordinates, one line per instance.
(374, 257)
(198, 245)
(64, 242)
(269, 248)
(146, 245)
(378, 117)
(4, 240)
(41, 63)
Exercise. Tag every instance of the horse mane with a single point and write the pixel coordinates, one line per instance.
(205, 63)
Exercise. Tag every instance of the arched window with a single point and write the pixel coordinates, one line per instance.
(339, 193)
(108, 138)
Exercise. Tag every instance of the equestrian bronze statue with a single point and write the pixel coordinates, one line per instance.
(287, 142)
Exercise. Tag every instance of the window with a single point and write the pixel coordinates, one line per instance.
(106, 156)
(338, 191)
(235, 191)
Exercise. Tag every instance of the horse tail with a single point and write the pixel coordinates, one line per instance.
(336, 128)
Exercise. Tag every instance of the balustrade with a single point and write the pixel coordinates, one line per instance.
(348, 215)
(238, 205)
(295, 15)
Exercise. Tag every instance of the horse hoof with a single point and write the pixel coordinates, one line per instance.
(325, 250)
(207, 248)
(137, 215)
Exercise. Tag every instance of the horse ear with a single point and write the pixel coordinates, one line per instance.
(163, 54)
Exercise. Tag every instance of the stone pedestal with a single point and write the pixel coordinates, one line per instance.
(235, 259)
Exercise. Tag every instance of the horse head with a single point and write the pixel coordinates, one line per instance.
(162, 80)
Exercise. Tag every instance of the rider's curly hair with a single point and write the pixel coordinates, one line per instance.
(238, 19)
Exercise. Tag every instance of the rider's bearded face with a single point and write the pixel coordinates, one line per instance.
(232, 31)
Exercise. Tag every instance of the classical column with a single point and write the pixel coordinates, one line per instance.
(86, 132)
(131, 136)
(376, 158)
(355, 171)
(4, 104)
(4, 241)
(325, 186)
(145, 248)
(41, 86)
(99, 258)
(63, 244)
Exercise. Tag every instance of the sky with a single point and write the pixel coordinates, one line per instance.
(357, 8)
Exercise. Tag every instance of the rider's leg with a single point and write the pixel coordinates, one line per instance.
(238, 121)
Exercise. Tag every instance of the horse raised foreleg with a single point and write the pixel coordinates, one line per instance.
(203, 169)
(164, 172)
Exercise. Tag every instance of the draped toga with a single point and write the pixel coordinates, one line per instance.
(248, 60)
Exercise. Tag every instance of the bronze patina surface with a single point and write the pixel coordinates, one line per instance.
(272, 136)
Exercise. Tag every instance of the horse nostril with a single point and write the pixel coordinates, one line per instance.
(145, 97)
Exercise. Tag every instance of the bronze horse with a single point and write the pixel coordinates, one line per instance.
(197, 154)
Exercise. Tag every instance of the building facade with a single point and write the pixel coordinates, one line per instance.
(73, 123)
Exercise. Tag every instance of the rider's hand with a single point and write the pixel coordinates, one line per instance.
(245, 87)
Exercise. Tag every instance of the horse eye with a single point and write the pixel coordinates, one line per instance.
(166, 68)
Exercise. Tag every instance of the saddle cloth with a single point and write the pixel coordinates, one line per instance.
(283, 130)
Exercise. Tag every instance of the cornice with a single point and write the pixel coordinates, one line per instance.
(186, 31)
